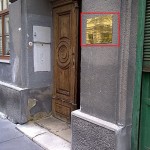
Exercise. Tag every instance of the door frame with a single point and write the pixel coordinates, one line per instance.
(138, 76)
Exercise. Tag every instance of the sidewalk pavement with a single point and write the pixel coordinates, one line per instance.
(47, 139)
(12, 139)
(29, 136)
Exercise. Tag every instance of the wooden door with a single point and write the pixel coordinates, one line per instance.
(65, 24)
(144, 136)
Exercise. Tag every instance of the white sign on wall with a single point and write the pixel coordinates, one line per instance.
(42, 49)
(41, 34)
(42, 57)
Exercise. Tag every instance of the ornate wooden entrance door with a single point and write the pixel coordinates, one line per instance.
(65, 23)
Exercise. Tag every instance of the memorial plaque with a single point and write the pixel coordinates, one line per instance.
(99, 30)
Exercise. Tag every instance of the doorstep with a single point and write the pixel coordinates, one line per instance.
(56, 126)
(44, 137)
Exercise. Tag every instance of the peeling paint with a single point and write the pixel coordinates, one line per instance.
(31, 103)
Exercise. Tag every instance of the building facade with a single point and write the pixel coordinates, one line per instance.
(85, 62)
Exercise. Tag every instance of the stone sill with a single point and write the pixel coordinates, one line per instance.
(5, 61)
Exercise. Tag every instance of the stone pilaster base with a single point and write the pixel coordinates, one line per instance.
(91, 133)
(22, 104)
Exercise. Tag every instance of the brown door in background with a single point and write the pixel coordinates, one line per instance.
(65, 24)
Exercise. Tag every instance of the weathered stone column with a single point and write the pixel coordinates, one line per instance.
(107, 82)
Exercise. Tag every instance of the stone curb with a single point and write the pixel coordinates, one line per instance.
(43, 137)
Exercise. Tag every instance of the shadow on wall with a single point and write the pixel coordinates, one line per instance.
(12, 1)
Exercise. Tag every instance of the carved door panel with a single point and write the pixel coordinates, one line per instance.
(65, 19)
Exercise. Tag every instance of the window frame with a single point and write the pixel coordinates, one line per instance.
(3, 13)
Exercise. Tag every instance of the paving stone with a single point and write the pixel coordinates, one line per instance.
(65, 134)
(6, 124)
(8, 131)
(31, 130)
(22, 143)
(52, 142)
(57, 127)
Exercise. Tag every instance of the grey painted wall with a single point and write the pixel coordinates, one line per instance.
(33, 98)
(107, 82)
(13, 103)
(39, 83)
(132, 61)
(99, 67)
(36, 14)
(11, 72)
(127, 60)
(21, 105)
(20, 71)
(107, 73)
